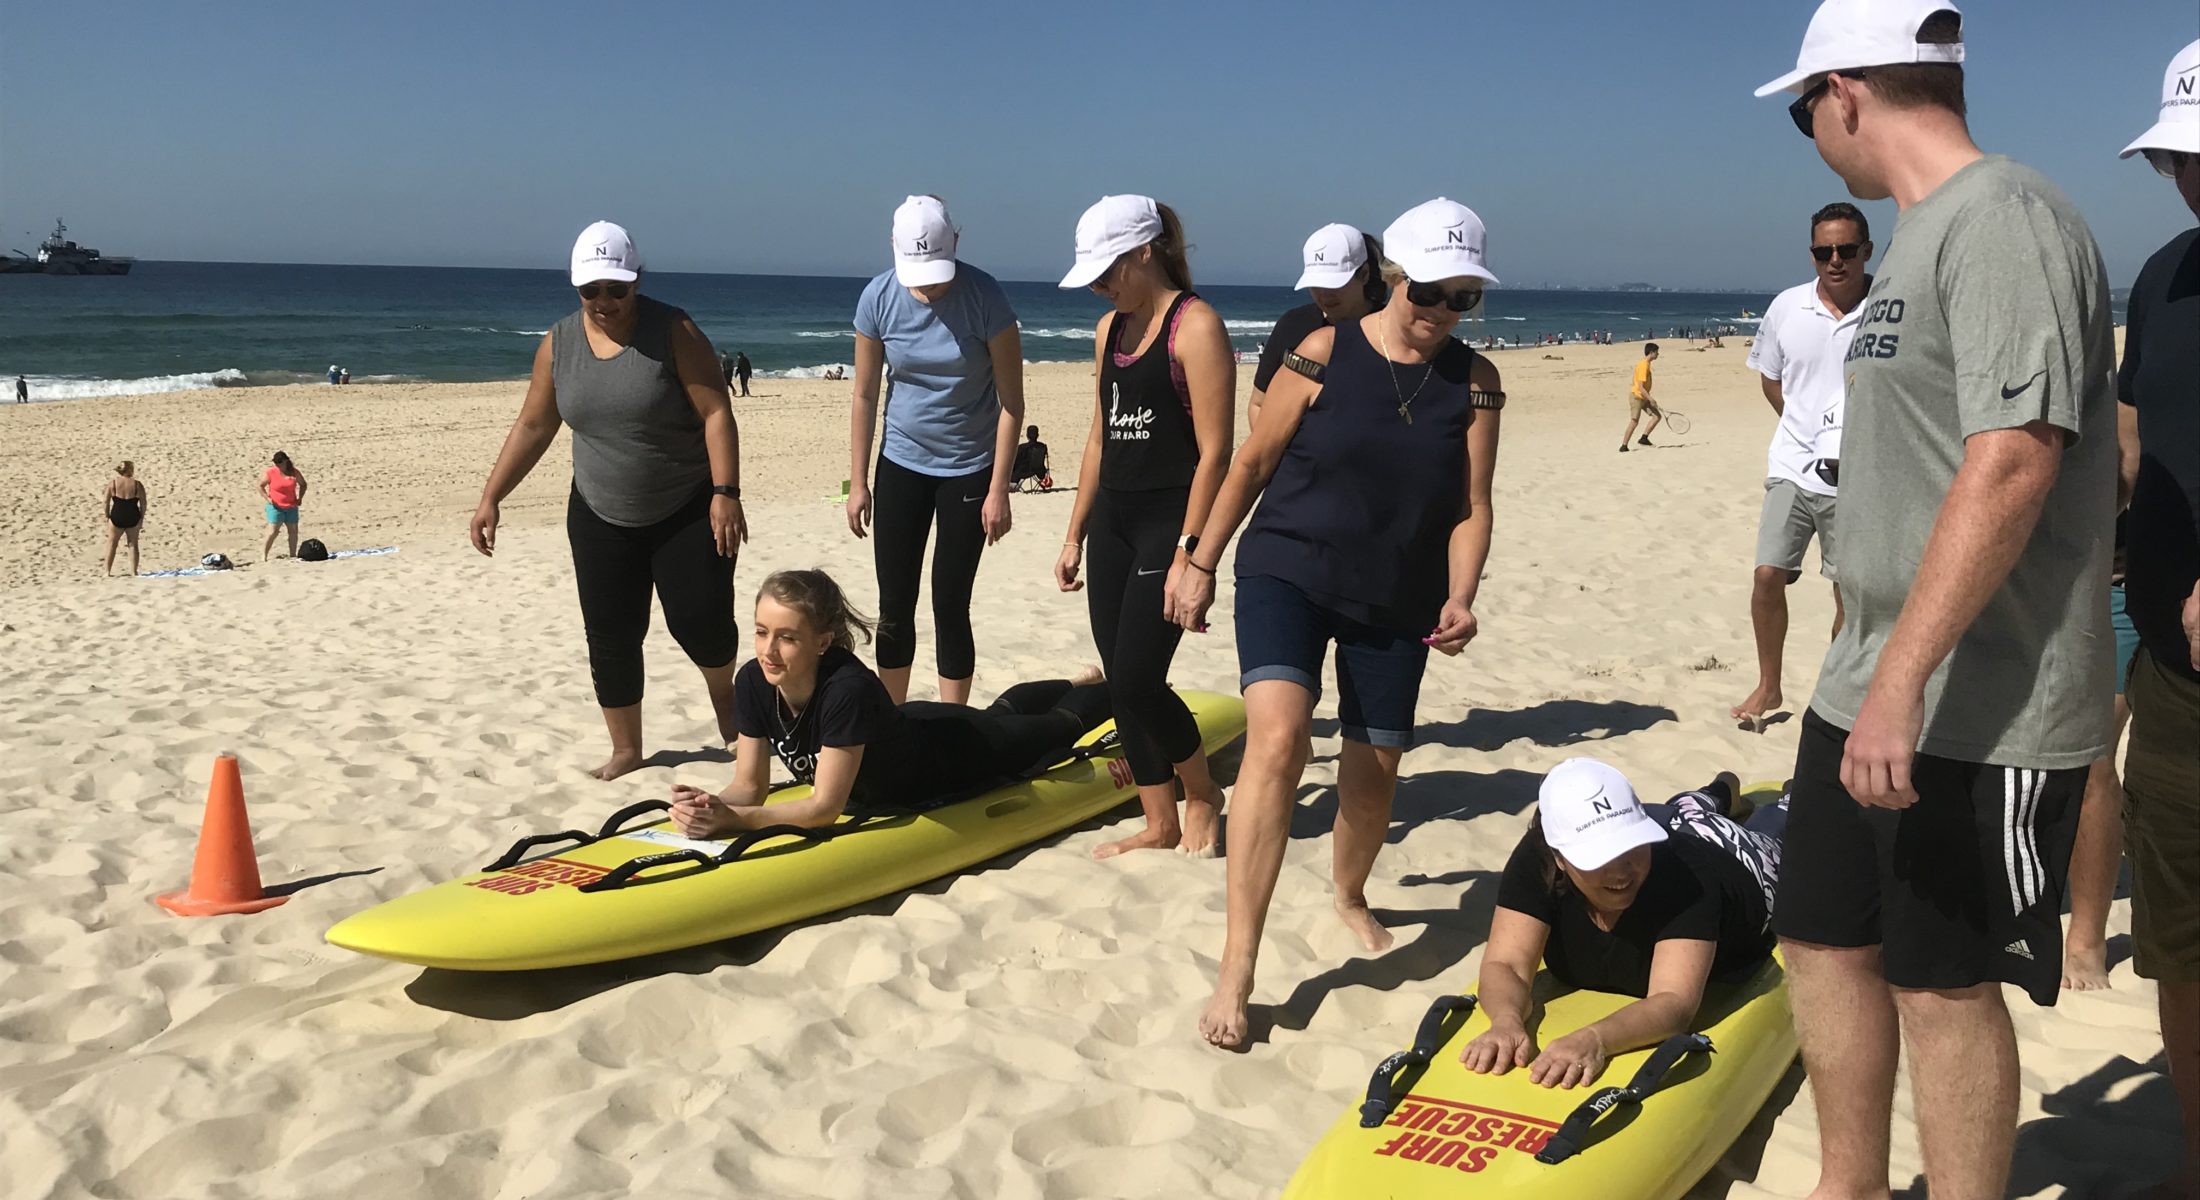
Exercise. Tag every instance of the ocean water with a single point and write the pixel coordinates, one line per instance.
(169, 326)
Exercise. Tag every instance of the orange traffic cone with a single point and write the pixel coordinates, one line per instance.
(225, 877)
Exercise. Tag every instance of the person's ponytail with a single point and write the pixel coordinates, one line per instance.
(1376, 293)
(1170, 251)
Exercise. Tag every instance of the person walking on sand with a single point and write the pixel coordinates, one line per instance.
(742, 370)
(1797, 355)
(1937, 784)
(1639, 400)
(1372, 466)
(656, 492)
(944, 337)
(2160, 423)
(124, 503)
(1344, 276)
(282, 490)
(1159, 446)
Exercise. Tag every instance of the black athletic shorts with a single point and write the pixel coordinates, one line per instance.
(1964, 887)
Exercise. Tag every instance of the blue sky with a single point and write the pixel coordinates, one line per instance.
(1600, 141)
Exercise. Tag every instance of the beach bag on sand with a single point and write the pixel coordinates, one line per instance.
(215, 562)
(312, 550)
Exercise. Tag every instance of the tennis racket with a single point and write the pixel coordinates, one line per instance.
(1676, 421)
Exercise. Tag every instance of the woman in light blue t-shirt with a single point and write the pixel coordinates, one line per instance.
(944, 338)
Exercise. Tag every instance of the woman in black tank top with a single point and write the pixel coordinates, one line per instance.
(1156, 456)
(1372, 466)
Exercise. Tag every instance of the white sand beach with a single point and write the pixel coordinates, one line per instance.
(1024, 1030)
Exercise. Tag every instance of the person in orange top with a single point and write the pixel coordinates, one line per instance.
(283, 487)
(1639, 401)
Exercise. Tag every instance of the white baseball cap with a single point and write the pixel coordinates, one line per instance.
(1110, 229)
(1333, 256)
(1849, 35)
(924, 242)
(604, 251)
(1590, 814)
(2179, 126)
(1441, 239)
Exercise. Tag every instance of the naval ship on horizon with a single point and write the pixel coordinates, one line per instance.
(57, 255)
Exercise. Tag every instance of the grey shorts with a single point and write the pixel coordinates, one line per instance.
(1785, 525)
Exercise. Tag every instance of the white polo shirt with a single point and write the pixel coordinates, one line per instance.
(1801, 346)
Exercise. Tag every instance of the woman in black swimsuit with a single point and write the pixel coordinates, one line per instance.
(125, 503)
(807, 700)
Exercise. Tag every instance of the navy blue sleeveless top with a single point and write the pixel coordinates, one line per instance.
(1360, 510)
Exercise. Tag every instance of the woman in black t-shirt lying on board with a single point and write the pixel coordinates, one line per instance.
(1610, 903)
(809, 701)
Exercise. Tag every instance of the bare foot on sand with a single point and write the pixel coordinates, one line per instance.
(1360, 921)
(1202, 820)
(1762, 703)
(620, 762)
(2085, 966)
(1224, 1022)
(1088, 674)
(1149, 839)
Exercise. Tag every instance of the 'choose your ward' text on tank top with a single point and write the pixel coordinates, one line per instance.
(1148, 442)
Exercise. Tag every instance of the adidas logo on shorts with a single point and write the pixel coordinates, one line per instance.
(2020, 949)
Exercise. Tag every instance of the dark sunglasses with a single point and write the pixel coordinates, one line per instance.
(1433, 295)
(617, 291)
(1843, 251)
(2167, 162)
(1801, 110)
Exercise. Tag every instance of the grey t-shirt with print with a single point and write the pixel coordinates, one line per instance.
(1989, 312)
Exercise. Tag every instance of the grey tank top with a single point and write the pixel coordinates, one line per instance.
(638, 451)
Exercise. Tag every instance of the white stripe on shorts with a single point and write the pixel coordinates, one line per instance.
(2020, 851)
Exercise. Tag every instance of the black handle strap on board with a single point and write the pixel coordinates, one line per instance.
(613, 826)
(627, 874)
(1567, 1142)
(1383, 1087)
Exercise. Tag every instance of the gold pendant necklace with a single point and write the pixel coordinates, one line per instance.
(1405, 402)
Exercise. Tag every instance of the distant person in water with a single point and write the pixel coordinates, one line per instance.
(22, 390)
(124, 501)
(742, 370)
(333, 372)
(283, 487)
(344, 376)
(809, 701)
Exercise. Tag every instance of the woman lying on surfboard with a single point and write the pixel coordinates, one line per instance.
(809, 701)
(1610, 903)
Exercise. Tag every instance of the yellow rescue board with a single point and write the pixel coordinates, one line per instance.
(1456, 1134)
(534, 915)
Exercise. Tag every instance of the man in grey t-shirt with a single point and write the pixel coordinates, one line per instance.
(1937, 782)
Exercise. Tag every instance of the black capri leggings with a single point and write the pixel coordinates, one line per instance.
(615, 566)
(904, 504)
(1129, 545)
(972, 748)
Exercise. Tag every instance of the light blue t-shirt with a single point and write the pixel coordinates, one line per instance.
(941, 406)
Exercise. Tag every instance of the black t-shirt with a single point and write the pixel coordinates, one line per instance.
(2159, 374)
(1291, 329)
(1694, 892)
(849, 708)
(1031, 460)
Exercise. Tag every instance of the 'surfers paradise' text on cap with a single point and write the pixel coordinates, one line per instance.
(1438, 240)
(1110, 229)
(924, 242)
(1590, 814)
(1850, 35)
(2178, 128)
(1333, 256)
(604, 251)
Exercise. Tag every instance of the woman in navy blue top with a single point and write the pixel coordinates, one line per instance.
(1371, 464)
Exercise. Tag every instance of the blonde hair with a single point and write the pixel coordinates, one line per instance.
(125, 469)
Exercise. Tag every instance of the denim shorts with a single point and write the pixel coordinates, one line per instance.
(1282, 633)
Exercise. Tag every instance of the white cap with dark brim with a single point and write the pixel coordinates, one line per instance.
(1850, 35)
(2179, 126)
(604, 251)
(1333, 256)
(1110, 229)
(1590, 814)
(924, 242)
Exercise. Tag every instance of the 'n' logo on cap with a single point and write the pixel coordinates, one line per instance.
(1321, 256)
(603, 250)
(924, 244)
(1599, 802)
(1456, 234)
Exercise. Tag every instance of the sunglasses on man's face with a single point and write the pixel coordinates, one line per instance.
(1841, 250)
(1433, 295)
(617, 291)
(1803, 110)
(2167, 162)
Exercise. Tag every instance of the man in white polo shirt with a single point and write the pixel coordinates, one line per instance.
(1800, 344)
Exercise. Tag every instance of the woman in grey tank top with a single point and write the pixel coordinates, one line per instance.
(656, 496)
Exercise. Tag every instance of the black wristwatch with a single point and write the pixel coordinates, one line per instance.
(725, 489)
